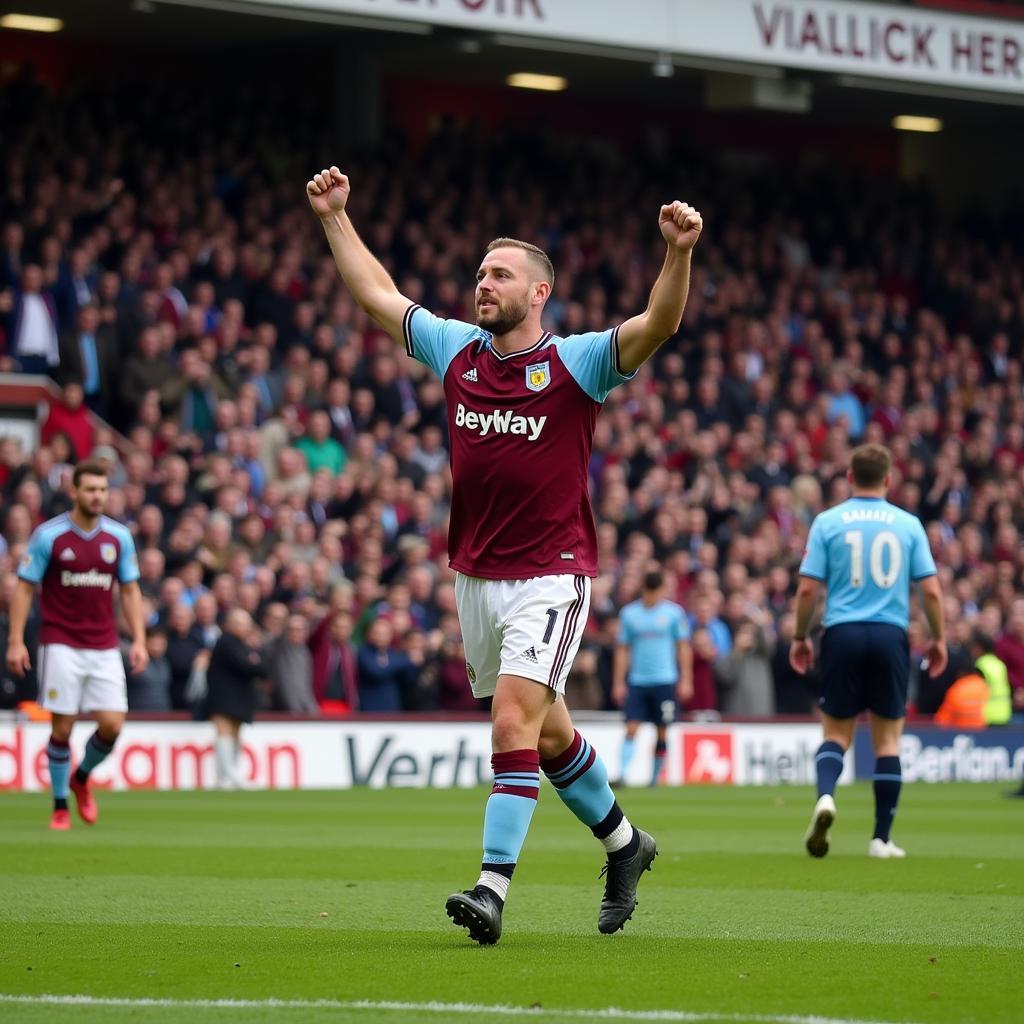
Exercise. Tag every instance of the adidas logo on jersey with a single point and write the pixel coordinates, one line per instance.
(498, 422)
(530, 654)
(470, 375)
(67, 555)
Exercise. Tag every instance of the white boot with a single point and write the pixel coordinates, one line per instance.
(885, 849)
(816, 838)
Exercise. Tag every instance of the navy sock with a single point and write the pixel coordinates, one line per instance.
(887, 781)
(660, 750)
(829, 763)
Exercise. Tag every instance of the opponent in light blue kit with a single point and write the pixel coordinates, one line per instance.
(653, 668)
(867, 552)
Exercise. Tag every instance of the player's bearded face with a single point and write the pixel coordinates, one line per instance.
(499, 316)
(91, 498)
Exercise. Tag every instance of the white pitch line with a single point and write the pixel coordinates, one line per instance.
(608, 1013)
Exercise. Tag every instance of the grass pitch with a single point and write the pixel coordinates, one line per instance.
(205, 906)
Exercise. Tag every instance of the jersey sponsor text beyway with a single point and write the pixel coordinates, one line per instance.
(498, 422)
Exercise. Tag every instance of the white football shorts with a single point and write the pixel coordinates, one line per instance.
(74, 679)
(530, 628)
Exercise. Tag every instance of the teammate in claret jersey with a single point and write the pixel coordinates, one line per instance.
(522, 406)
(76, 559)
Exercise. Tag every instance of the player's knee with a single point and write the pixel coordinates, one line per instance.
(109, 734)
(510, 730)
(61, 731)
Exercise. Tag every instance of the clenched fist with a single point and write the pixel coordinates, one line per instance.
(328, 192)
(680, 225)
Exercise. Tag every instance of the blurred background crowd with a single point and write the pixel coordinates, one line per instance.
(271, 449)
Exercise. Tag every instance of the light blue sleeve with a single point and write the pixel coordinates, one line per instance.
(37, 556)
(623, 635)
(921, 562)
(815, 563)
(593, 361)
(128, 563)
(681, 629)
(433, 341)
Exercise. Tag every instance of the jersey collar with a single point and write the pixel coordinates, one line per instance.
(75, 528)
(522, 352)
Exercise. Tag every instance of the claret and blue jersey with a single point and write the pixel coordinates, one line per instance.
(521, 429)
(867, 551)
(77, 571)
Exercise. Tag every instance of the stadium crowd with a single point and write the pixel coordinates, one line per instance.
(272, 450)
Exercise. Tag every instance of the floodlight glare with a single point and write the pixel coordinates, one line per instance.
(531, 80)
(31, 23)
(914, 123)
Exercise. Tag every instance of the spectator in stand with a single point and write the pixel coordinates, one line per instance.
(183, 646)
(454, 692)
(420, 678)
(150, 690)
(335, 667)
(321, 450)
(290, 669)
(929, 692)
(70, 417)
(795, 693)
(144, 373)
(382, 670)
(1010, 650)
(744, 675)
(32, 325)
(704, 702)
(999, 706)
(234, 669)
(88, 354)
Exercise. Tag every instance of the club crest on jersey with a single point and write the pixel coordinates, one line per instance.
(108, 553)
(538, 376)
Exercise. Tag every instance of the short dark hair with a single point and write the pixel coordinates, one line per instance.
(653, 580)
(870, 465)
(538, 255)
(87, 469)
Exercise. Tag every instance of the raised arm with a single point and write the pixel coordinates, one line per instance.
(370, 284)
(641, 336)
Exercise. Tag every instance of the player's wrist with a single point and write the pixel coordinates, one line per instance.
(799, 639)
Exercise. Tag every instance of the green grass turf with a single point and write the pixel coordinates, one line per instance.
(224, 896)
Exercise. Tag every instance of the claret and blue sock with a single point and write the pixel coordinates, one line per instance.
(581, 780)
(507, 817)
